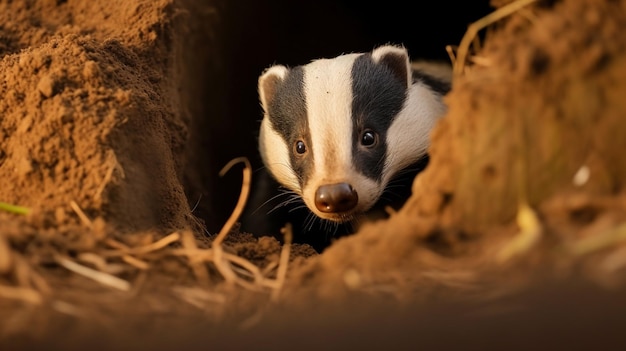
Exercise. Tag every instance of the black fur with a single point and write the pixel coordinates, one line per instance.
(378, 96)
(437, 85)
(288, 114)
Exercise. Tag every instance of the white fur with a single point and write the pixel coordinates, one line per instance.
(275, 153)
(408, 136)
(327, 85)
(380, 52)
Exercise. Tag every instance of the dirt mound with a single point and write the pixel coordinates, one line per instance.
(88, 118)
(113, 127)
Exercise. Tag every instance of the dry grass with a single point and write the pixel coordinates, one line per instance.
(14, 208)
(459, 60)
(102, 265)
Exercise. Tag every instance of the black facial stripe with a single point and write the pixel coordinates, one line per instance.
(287, 112)
(378, 96)
(437, 85)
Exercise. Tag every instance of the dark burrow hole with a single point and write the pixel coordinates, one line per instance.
(251, 36)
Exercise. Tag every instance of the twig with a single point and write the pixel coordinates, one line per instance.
(269, 268)
(281, 274)
(135, 262)
(100, 277)
(241, 202)
(96, 261)
(140, 250)
(255, 272)
(27, 277)
(218, 252)
(67, 308)
(597, 242)
(198, 267)
(451, 50)
(198, 297)
(19, 293)
(530, 231)
(116, 244)
(114, 165)
(14, 208)
(131, 260)
(199, 254)
(79, 212)
(474, 28)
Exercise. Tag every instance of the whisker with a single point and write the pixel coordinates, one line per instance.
(390, 195)
(396, 185)
(327, 225)
(270, 200)
(355, 223)
(326, 230)
(197, 203)
(409, 170)
(297, 208)
(289, 201)
(310, 221)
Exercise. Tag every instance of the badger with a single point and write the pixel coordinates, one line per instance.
(337, 131)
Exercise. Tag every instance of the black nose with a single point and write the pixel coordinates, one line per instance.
(340, 197)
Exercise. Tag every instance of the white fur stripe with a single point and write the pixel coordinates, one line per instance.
(408, 136)
(328, 90)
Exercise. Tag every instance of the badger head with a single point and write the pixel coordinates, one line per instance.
(336, 131)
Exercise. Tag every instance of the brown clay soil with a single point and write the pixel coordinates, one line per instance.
(513, 236)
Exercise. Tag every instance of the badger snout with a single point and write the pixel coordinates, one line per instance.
(336, 198)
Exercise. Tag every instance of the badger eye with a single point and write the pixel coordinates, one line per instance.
(369, 138)
(300, 147)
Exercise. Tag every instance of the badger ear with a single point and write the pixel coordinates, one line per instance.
(396, 58)
(269, 82)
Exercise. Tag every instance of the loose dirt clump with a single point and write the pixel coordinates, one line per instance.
(103, 138)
